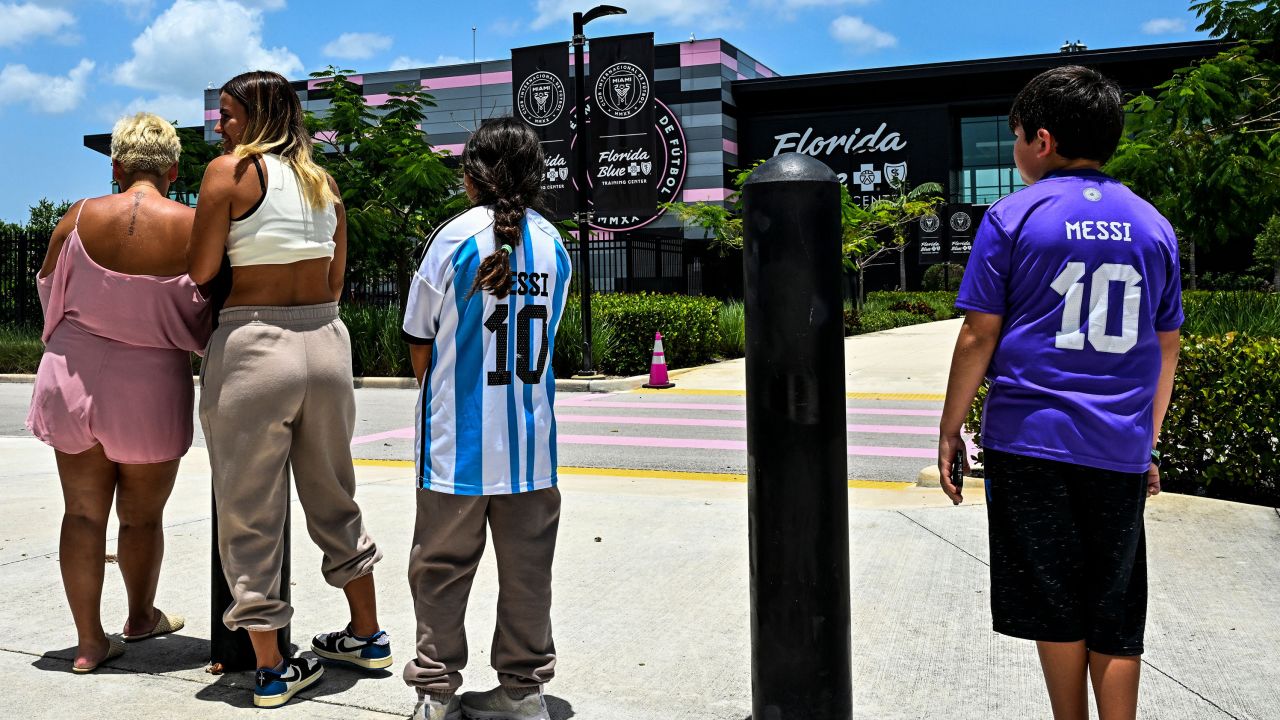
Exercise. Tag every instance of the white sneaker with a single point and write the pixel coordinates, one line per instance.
(496, 704)
(428, 708)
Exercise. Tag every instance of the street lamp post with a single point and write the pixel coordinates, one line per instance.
(583, 216)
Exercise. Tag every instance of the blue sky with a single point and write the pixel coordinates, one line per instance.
(71, 67)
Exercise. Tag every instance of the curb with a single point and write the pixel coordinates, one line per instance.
(929, 477)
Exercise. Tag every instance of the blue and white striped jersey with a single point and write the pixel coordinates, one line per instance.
(485, 418)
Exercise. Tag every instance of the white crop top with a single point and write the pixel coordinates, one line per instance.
(283, 228)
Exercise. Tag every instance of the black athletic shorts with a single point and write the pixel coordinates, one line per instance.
(1068, 552)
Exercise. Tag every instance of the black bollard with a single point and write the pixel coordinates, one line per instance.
(231, 648)
(797, 493)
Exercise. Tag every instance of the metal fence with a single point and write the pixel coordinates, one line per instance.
(21, 255)
(636, 264)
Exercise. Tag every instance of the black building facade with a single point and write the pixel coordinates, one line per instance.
(942, 122)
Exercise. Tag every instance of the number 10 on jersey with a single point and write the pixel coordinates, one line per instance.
(1070, 284)
(497, 324)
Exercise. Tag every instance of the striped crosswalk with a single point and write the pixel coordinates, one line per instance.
(889, 437)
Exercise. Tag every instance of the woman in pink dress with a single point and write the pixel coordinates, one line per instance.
(113, 395)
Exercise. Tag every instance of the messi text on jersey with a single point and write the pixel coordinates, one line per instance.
(525, 283)
(1099, 230)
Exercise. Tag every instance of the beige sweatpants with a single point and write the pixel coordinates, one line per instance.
(448, 541)
(277, 394)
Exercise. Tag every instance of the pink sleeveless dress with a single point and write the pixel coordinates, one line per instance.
(116, 368)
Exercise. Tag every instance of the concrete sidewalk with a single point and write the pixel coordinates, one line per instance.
(911, 360)
(652, 597)
(651, 608)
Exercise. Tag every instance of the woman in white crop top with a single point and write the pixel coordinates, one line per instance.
(277, 395)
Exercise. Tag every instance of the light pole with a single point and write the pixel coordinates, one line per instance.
(584, 215)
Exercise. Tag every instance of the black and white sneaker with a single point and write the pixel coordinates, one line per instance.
(370, 653)
(273, 689)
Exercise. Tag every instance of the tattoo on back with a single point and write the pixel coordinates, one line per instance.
(133, 217)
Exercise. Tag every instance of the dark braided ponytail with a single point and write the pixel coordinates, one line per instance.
(503, 159)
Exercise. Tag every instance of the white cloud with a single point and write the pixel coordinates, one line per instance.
(1164, 26)
(694, 14)
(357, 46)
(186, 110)
(859, 35)
(197, 42)
(405, 62)
(136, 10)
(45, 93)
(28, 21)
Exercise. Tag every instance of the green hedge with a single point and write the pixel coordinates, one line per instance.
(377, 349)
(942, 303)
(937, 275)
(733, 329)
(1221, 436)
(689, 326)
(887, 310)
(20, 350)
(1219, 313)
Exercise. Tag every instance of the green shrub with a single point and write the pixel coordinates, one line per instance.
(567, 359)
(915, 308)
(733, 329)
(942, 303)
(20, 350)
(1221, 436)
(1219, 313)
(852, 320)
(377, 348)
(936, 275)
(1233, 282)
(690, 330)
(876, 320)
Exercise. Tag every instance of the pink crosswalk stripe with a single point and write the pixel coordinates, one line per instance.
(704, 444)
(565, 418)
(731, 407)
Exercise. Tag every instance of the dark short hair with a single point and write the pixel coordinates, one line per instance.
(1080, 107)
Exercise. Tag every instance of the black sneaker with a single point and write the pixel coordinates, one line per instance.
(273, 689)
(370, 653)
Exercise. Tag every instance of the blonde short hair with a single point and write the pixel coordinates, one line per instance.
(145, 143)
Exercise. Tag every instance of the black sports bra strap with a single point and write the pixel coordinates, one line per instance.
(262, 181)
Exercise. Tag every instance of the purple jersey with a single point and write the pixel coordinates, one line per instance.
(1084, 273)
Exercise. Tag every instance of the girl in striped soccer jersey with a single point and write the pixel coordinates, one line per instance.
(481, 321)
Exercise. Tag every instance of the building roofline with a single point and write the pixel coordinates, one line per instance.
(1190, 50)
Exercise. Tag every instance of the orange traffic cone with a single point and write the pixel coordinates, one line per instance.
(658, 367)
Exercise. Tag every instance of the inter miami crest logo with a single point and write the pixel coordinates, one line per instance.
(541, 98)
(622, 90)
(961, 221)
(930, 223)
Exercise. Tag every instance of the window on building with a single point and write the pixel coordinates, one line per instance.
(987, 172)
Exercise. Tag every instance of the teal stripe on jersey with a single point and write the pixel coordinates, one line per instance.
(513, 444)
(468, 374)
(424, 428)
(562, 275)
(530, 437)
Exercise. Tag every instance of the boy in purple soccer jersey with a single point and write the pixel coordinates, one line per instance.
(1073, 305)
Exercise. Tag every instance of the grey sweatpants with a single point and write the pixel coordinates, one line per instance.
(277, 394)
(448, 541)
